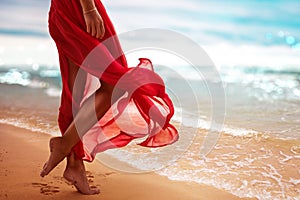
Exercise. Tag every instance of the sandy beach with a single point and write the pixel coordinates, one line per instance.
(23, 152)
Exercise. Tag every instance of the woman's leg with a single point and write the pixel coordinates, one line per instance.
(60, 147)
(75, 169)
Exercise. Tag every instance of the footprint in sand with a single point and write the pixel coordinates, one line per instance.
(90, 177)
(89, 174)
(46, 189)
(109, 173)
(105, 174)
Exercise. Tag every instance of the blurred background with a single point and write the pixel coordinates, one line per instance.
(254, 44)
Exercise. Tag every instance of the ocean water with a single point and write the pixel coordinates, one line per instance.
(255, 47)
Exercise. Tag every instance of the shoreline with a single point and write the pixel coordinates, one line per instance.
(23, 153)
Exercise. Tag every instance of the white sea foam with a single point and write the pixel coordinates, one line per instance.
(273, 186)
(202, 123)
(20, 124)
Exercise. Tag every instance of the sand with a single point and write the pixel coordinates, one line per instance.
(23, 152)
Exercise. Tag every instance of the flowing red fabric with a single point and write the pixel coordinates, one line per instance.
(143, 112)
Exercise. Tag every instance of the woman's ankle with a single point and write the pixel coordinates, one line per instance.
(73, 161)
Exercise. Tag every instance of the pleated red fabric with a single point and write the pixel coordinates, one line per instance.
(144, 111)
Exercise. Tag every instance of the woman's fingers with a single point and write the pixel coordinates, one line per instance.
(88, 28)
(102, 29)
(94, 30)
(98, 35)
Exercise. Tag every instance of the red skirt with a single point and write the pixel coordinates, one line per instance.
(144, 112)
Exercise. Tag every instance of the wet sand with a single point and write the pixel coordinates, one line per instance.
(23, 152)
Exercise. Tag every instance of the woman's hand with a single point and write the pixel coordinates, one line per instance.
(94, 23)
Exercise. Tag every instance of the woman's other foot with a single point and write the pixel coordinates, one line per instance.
(57, 154)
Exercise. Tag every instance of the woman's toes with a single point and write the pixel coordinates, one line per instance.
(89, 192)
(42, 173)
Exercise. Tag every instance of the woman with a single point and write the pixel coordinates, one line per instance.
(78, 27)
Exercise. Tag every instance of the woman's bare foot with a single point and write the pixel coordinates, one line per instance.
(57, 153)
(75, 173)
